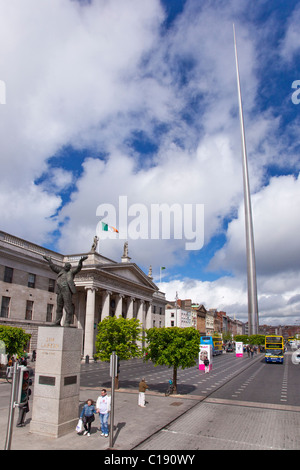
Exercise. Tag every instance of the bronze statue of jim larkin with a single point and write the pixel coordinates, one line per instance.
(65, 288)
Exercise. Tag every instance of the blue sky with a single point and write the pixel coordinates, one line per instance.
(138, 100)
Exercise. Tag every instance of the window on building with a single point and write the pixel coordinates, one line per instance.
(5, 307)
(31, 280)
(51, 287)
(8, 274)
(29, 310)
(49, 317)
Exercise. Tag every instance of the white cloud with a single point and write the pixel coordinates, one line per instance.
(93, 75)
(276, 230)
(179, 178)
(278, 296)
(290, 45)
(28, 212)
(57, 180)
(60, 86)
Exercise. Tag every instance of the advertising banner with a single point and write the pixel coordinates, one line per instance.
(205, 353)
(239, 349)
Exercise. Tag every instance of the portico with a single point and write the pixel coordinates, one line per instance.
(114, 289)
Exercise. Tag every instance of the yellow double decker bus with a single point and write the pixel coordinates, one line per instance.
(216, 343)
(274, 349)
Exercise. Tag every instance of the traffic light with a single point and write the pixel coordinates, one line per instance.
(24, 384)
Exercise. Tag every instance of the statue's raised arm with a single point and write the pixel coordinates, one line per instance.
(79, 266)
(54, 268)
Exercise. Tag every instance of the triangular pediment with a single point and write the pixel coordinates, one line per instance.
(130, 272)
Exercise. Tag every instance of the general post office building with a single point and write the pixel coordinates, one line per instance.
(104, 288)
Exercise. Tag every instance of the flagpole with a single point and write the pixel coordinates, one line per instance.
(251, 265)
(176, 298)
(160, 270)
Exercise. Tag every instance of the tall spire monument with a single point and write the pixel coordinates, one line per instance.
(251, 266)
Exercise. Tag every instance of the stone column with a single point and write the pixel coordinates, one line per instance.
(119, 306)
(89, 322)
(141, 318)
(105, 304)
(81, 309)
(140, 313)
(148, 320)
(130, 307)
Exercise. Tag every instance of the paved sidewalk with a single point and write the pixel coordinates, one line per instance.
(132, 424)
(171, 423)
(230, 425)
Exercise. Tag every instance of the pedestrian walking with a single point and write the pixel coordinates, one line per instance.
(87, 416)
(206, 364)
(23, 361)
(103, 408)
(33, 357)
(142, 389)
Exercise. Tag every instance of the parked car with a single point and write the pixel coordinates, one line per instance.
(229, 349)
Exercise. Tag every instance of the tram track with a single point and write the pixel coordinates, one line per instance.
(200, 400)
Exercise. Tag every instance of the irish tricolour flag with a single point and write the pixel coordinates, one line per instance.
(108, 228)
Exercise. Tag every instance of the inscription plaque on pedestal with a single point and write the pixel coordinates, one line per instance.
(46, 380)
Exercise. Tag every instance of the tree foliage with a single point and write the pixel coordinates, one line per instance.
(252, 339)
(173, 347)
(120, 335)
(15, 339)
(242, 338)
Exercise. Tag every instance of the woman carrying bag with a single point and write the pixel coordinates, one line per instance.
(87, 416)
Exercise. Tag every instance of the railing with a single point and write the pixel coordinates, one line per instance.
(11, 239)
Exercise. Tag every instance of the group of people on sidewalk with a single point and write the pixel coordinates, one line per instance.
(103, 406)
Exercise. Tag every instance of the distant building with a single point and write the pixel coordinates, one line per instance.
(104, 288)
(201, 319)
(209, 322)
(177, 316)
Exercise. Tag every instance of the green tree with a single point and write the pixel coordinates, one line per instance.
(173, 347)
(120, 335)
(15, 339)
(242, 338)
(227, 336)
(257, 339)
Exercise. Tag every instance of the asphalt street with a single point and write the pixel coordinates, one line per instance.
(241, 404)
(234, 378)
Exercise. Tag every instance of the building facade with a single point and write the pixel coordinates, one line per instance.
(177, 317)
(103, 288)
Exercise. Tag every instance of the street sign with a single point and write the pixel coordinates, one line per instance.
(113, 370)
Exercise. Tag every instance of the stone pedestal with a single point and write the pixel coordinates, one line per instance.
(57, 381)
